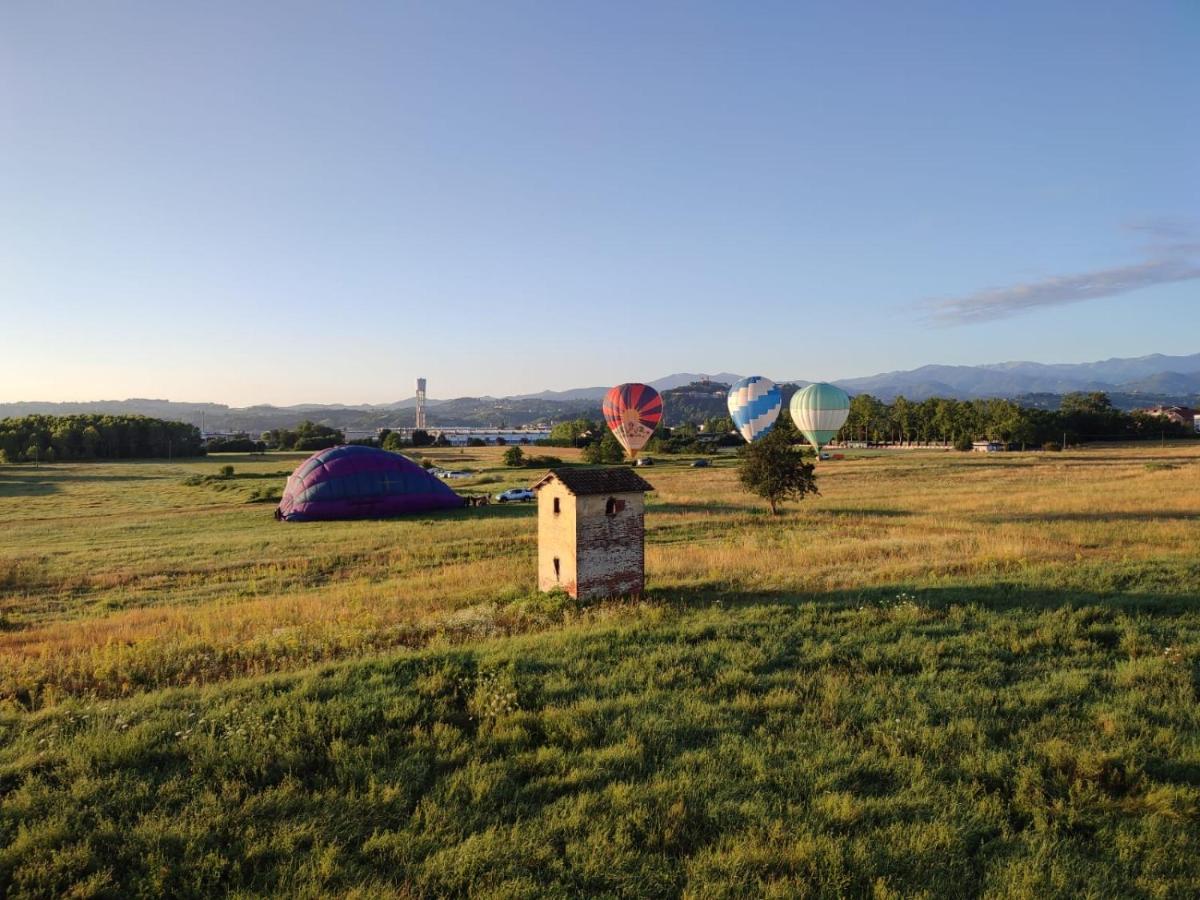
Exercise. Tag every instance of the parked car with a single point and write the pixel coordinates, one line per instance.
(644, 461)
(699, 463)
(516, 495)
(456, 474)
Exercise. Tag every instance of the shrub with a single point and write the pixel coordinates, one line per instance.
(964, 444)
(606, 451)
(316, 443)
(226, 471)
(1052, 447)
(235, 445)
(514, 456)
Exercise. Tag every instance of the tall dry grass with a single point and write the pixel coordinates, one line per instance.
(115, 579)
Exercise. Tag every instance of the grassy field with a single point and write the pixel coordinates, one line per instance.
(948, 675)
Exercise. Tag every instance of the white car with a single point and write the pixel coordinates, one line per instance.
(455, 474)
(521, 495)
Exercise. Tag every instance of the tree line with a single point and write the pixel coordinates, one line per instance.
(41, 438)
(1080, 418)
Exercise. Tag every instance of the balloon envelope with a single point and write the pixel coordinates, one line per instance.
(353, 482)
(754, 405)
(632, 411)
(819, 411)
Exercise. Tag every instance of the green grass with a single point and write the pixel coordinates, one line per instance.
(944, 677)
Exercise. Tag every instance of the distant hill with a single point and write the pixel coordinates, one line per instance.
(1013, 379)
(688, 396)
(1165, 383)
(679, 379)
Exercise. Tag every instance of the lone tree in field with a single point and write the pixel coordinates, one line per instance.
(775, 470)
(514, 456)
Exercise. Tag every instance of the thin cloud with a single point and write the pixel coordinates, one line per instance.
(1166, 229)
(1172, 264)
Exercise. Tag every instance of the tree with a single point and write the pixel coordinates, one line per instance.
(867, 416)
(719, 425)
(569, 434)
(1087, 402)
(608, 450)
(514, 456)
(91, 441)
(775, 470)
(902, 419)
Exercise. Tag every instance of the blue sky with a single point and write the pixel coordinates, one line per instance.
(286, 202)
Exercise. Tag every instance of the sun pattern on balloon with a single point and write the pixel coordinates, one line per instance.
(632, 412)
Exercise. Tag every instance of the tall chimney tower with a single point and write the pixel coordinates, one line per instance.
(421, 423)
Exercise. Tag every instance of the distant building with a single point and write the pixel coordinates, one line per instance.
(591, 532)
(421, 422)
(1181, 415)
(989, 447)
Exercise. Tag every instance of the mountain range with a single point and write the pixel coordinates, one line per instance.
(1131, 383)
(1156, 374)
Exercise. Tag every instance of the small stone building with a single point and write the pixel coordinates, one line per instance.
(591, 532)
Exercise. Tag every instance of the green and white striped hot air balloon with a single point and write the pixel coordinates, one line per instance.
(819, 411)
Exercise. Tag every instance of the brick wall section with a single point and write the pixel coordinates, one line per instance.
(611, 548)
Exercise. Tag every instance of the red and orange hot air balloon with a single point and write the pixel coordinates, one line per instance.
(632, 411)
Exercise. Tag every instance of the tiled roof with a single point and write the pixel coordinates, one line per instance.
(607, 480)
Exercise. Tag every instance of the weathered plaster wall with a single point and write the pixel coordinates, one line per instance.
(556, 538)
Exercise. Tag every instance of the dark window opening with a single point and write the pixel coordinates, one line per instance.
(556, 509)
(610, 508)
(556, 572)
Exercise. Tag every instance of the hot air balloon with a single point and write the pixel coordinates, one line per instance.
(819, 411)
(354, 482)
(754, 405)
(632, 411)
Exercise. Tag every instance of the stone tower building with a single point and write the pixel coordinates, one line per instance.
(591, 533)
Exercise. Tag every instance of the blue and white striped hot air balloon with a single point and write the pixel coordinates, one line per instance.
(754, 405)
